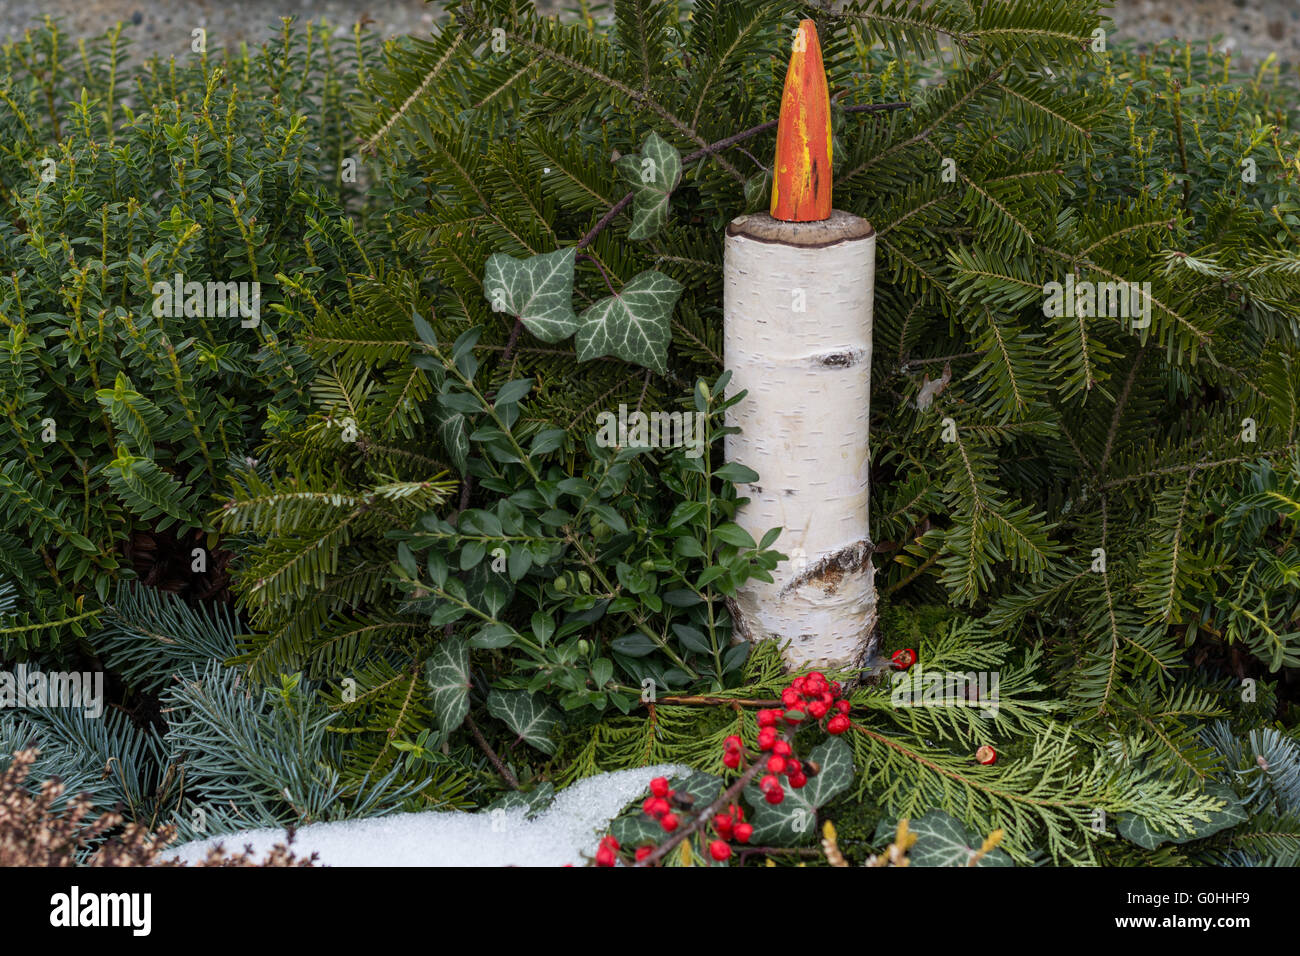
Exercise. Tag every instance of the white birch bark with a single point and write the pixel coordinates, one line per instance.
(804, 427)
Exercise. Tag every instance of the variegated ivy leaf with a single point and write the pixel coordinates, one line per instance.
(533, 802)
(1142, 832)
(447, 673)
(632, 325)
(941, 840)
(539, 290)
(653, 175)
(532, 719)
(794, 820)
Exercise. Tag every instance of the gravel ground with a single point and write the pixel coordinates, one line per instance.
(164, 26)
(1253, 28)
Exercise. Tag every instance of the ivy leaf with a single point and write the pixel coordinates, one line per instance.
(533, 802)
(703, 788)
(654, 175)
(636, 829)
(941, 840)
(794, 819)
(530, 718)
(632, 325)
(447, 673)
(539, 290)
(1138, 830)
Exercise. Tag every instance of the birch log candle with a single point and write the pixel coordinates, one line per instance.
(797, 308)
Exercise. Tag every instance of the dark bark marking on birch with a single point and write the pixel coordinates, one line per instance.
(840, 359)
(830, 570)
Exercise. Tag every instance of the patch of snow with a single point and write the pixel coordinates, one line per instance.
(565, 832)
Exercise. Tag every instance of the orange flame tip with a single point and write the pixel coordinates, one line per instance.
(801, 179)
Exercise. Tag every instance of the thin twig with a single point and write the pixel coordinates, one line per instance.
(705, 815)
(715, 701)
(749, 851)
(502, 769)
(720, 145)
(689, 158)
(603, 274)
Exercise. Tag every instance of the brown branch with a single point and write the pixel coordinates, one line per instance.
(705, 701)
(747, 852)
(705, 815)
(689, 158)
(720, 145)
(483, 745)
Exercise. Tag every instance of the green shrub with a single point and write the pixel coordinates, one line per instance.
(119, 422)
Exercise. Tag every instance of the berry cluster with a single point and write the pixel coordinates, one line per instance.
(659, 805)
(808, 699)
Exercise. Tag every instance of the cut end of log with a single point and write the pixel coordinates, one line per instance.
(835, 227)
(801, 177)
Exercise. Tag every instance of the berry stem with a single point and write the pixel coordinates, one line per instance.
(702, 818)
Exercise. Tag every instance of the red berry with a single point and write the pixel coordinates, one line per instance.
(797, 780)
(606, 855)
(986, 755)
(835, 688)
(837, 724)
(731, 759)
(656, 806)
(743, 832)
(817, 709)
(719, 850)
(643, 852)
(775, 795)
(781, 748)
(733, 743)
(768, 718)
(799, 685)
(767, 738)
(903, 659)
(789, 697)
(776, 764)
(669, 822)
(792, 765)
(659, 787)
(843, 706)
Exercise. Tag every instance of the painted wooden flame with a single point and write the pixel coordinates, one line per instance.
(801, 181)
